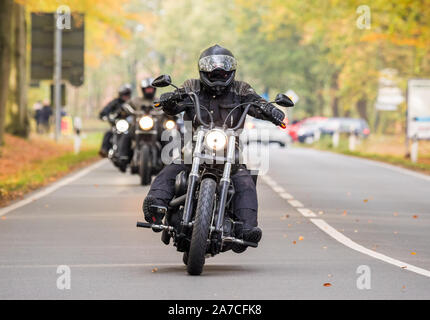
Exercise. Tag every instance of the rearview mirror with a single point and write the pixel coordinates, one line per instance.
(162, 81)
(284, 101)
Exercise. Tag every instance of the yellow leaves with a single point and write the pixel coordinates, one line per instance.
(301, 238)
(154, 270)
(413, 253)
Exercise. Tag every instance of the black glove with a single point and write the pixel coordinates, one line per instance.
(273, 113)
(169, 99)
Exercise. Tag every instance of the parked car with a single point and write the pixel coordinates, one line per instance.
(257, 130)
(294, 128)
(346, 125)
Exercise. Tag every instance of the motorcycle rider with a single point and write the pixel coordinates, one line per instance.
(218, 92)
(124, 94)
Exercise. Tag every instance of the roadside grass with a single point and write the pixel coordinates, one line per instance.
(39, 169)
(385, 153)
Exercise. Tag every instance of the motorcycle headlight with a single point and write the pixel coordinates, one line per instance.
(146, 123)
(122, 125)
(216, 139)
(169, 124)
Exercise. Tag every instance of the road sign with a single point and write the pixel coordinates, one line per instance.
(42, 48)
(418, 109)
(389, 94)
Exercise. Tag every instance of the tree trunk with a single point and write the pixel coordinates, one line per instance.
(361, 108)
(6, 7)
(22, 124)
(334, 89)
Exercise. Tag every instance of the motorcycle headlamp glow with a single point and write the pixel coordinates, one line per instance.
(215, 139)
(169, 124)
(122, 125)
(146, 123)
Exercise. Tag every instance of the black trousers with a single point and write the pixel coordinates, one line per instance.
(245, 203)
(107, 141)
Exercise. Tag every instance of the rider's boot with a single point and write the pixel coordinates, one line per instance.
(153, 213)
(251, 235)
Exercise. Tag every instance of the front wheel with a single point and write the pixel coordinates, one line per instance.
(145, 166)
(202, 223)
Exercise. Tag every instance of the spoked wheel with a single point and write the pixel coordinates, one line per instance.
(145, 166)
(202, 223)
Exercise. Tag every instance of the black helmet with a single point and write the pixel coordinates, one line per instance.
(147, 89)
(125, 90)
(217, 67)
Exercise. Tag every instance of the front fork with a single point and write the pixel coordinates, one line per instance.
(192, 180)
(225, 183)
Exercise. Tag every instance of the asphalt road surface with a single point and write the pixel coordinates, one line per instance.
(334, 227)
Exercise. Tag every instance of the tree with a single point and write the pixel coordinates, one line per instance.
(6, 7)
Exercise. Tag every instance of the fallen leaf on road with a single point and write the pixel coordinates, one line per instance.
(404, 267)
(415, 216)
(154, 270)
(301, 238)
(327, 284)
(344, 213)
(413, 253)
(365, 200)
(294, 242)
(395, 214)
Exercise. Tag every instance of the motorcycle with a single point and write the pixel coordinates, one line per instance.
(121, 122)
(147, 147)
(200, 218)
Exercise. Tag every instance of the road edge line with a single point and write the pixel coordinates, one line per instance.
(51, 188)
(340, 237)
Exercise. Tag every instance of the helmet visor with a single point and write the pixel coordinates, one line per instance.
(210, 63)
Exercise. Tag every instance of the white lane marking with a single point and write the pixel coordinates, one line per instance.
(53, 187)
(306, 212)
(279, 189)
(286, 196)
(295, 203)
(332, 232)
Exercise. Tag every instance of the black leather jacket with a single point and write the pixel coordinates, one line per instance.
(111, 107)
(219, 106)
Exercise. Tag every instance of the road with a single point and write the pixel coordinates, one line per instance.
(323, 216)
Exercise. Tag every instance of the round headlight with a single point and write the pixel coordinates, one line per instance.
(146, 123)
(169, 124)
(122, 125)
(216, 139)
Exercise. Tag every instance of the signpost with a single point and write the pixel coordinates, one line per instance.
(57, 52)
(418, 113)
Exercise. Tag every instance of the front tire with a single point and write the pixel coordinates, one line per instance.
(202, 223)
(145, 166)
